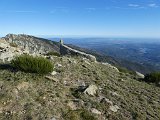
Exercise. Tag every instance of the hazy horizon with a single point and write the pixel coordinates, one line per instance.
(84, 36)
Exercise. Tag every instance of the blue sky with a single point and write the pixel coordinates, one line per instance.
(103, 18)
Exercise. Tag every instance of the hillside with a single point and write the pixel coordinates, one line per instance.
(77, 89)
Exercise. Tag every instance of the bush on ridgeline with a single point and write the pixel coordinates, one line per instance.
(28, 63)
(13, 45)
(153, 77)
(53, 53)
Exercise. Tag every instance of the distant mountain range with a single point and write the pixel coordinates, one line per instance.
(141, 55)
(130, 65)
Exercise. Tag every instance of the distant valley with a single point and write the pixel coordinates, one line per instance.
(145, 52)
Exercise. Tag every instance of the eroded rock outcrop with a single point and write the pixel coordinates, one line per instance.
(13, 45)
(32, 44)
(7, 52)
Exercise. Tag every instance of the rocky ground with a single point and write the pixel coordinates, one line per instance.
(77, 89)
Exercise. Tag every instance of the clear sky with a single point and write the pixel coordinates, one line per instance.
(110, 18)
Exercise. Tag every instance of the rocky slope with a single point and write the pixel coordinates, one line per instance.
(12, 45)
(32, 44)
(77, 89)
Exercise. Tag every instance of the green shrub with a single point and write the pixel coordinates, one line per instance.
(72, 115)
(28, 63)
(81, 114)
(153, 77)
(13, 45)
(53, 53)
(85, 115)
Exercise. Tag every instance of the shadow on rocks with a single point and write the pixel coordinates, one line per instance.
(7, 67)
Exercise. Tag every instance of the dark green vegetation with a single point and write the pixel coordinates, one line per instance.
(32, 64)
(153, 78)
(79, 115)
(53, 53)
(30, 96)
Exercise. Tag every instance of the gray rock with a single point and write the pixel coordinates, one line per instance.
(54, 73)
(53, 118)
(114, 108)
(91, 90)
(140, 74)
(51, 78)
(95, 111)
(58, 65)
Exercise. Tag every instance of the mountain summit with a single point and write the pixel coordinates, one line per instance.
(33, 44)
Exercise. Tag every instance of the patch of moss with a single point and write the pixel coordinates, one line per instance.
(81, 114)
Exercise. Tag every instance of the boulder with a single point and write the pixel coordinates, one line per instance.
(114, 108)
(91, 90)
(95, 111)
(140, 75)
(53, 73)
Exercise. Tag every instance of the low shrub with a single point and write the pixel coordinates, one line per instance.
(153, 78)
(85, 115)
(28, 63)
(53, 53)
(13, 45)
(81, 114)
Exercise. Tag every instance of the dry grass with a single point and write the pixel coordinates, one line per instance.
(31, 96)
